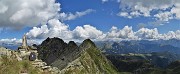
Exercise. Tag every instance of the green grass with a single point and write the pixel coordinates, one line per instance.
(93, 62)
(10, 65)
(102, 63)
(88, 63)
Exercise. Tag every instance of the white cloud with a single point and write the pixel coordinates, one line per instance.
(176, 9)
(172, 34)
(70, 16)
(135, 13)
(35, 32)
(144, 7)
(125, 33)
(178, 34)
(164, 16)
(21, 13)
(86, 31)
(18, 13)
(145, 33)
(13, 41)
(161, 10)
(55, 28)
(3, 8)
(113, 33)
(124, 14)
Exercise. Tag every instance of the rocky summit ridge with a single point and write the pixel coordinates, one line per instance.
(70, 58)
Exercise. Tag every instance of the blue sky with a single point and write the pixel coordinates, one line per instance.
(106, 16)
(103, 17)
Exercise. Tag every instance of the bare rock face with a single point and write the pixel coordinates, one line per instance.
(70, 58)
(51, 49)
(55, 50)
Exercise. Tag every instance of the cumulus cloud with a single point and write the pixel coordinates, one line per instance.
(165, 9)
(144, 7)
(31, 13)
(113, 33)
(21, 13)
(55, 28)
(172, 34)
(164, 16)
(125, 33)
(141, 34)
(86, 31)
(176, 9)
(145, 33)
(71, 16)
(3, 8)
(124, 14)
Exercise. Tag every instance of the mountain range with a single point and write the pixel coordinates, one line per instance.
(140, 46)
(143, 56)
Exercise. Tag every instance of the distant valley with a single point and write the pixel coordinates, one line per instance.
(135, 55)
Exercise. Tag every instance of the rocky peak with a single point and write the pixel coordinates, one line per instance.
(50, 49)
(72, 44)
(55, 49)
(55, 41)
(87, 43)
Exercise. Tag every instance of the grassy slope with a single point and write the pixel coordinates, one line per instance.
(93, 62)
(100, 60)
(12, 66)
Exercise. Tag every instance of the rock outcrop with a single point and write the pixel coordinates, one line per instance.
(70, 58)
(4, 51)
(51, 49)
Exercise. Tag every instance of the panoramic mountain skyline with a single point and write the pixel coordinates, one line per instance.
(95, 19)
(90, 36)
